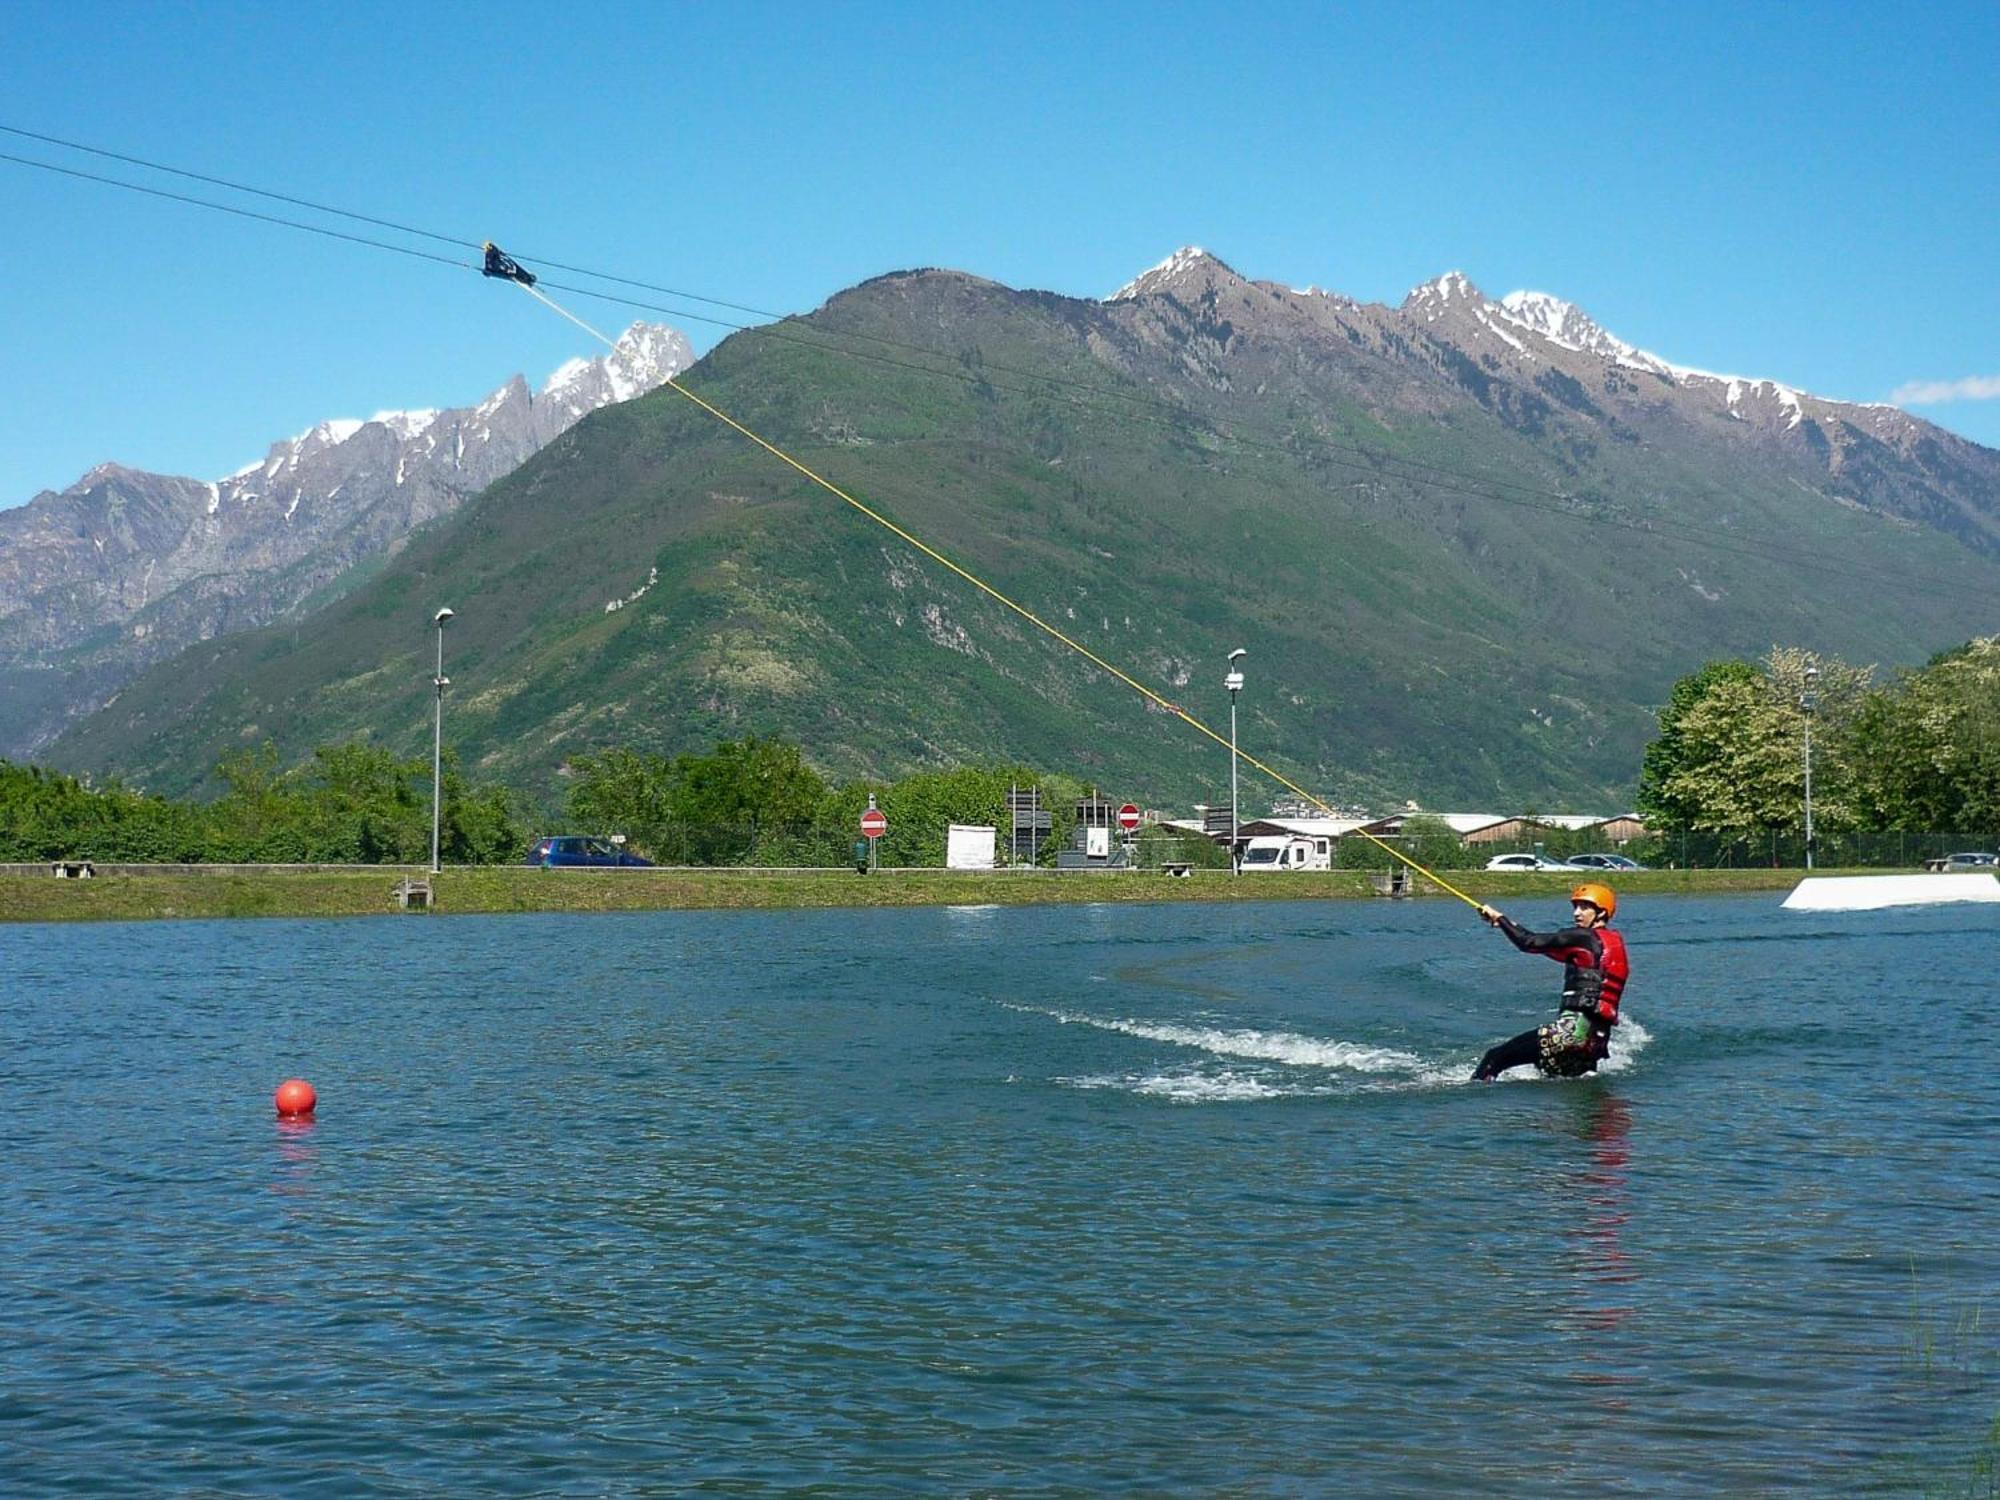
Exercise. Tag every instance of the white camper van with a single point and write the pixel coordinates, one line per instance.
(1287, 851)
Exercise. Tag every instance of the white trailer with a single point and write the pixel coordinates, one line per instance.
(1287, 851)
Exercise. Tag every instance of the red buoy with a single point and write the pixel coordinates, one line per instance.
(296, 1098)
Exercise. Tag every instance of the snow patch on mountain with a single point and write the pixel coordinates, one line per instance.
(1567, 326)
(407, 425)
(567, 374)
(1161, 277)
(1434, 297)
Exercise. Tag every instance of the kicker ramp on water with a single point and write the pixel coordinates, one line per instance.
(1872, 892)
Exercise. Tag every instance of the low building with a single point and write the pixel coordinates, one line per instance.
(1623, 828)
(1311, 828)
(1472, 827)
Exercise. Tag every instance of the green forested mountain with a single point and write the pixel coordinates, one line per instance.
(1468, 544)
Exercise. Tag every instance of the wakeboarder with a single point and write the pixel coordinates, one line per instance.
(1594, 973)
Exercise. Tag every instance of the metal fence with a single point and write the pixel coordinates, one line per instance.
(1786, 849)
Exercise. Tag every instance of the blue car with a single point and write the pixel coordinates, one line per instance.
(575, 849)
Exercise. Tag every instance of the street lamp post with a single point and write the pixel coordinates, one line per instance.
(440, 682)
(1234, 682)
(1808, 702)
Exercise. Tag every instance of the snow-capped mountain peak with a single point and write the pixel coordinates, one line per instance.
(1569, 327)
(1189, 259)
(646, 355)
(199, 558)
(407, 424)
(567, 374)
(1436, 295)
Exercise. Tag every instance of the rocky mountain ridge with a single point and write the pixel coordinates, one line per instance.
(1533, 359)
(125, 567)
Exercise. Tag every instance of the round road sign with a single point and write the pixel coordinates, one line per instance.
(1128, 817)
(873, 824)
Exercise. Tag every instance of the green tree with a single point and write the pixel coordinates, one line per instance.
(1664, 797)
(1730, 755)
(480, 825)
(47, 815)
(698, 809)
(1929, 748)
(622, 791)
(921, 808)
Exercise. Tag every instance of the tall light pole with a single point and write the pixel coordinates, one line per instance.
(1807, 704)
(440, 682)
(1234, 682)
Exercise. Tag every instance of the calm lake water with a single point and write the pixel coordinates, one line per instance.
(1142, 1200)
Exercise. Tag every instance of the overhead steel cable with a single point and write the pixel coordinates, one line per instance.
(348, 213)
(241, 213)
(1351, 457)
(1137, 398)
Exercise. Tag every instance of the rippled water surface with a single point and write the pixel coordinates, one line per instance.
(996, 1201)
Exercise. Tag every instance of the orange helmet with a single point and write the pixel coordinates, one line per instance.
(1600, 896)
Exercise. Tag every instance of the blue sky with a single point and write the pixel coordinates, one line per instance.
(1800, 192)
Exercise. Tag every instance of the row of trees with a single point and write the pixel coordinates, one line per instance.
(351, 804)
(1918, 754)
(748, 802)
(756, 802)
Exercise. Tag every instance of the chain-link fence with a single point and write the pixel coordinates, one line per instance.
(1786, 849)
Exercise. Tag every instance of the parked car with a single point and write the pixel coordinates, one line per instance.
(1615, 862)
(1527, 862)
(576, 849)
(1960, 864)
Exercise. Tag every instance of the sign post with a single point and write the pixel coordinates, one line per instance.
(873, 825)
(1128, 820)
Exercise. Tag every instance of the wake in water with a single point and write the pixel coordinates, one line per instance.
(1288, 1064)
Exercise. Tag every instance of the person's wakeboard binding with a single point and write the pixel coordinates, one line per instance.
(1594, 973)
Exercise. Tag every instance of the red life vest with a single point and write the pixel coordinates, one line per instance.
(1616, 968)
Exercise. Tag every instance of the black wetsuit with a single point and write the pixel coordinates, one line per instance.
(1594, 973)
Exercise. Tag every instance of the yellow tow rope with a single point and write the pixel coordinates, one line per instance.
(1020, 609)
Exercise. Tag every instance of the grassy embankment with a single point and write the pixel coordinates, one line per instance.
(41, 898)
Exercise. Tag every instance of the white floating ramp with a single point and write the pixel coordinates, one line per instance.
(1872, 892)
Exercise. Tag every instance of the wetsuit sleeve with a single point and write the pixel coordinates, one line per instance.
(1570, 944)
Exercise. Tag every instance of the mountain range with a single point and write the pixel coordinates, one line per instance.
(127, 568)
(1467, 541)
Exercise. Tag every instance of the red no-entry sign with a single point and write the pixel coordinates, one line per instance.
(1128, 817)
(873, 824)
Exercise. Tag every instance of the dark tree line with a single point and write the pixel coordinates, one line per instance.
(351, 804)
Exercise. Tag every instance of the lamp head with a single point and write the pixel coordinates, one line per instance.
(1238, 654)
(442, 616)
